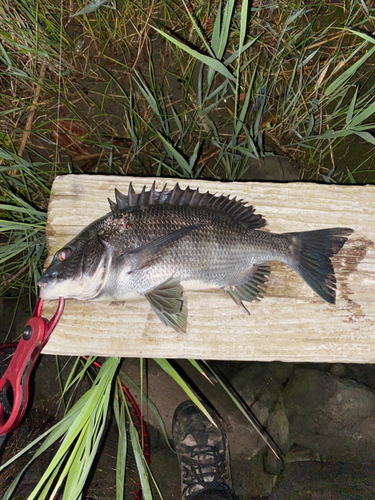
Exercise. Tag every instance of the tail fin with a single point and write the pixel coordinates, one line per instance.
(310, 257)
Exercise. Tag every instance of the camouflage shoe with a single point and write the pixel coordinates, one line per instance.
(202, 451)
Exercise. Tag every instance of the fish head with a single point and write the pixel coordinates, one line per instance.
(79, 269)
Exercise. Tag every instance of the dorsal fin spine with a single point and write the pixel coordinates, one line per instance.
(195, 194)
(143, 197)
(113, 205)
(188, 197)
(132, 196)
(153, 196)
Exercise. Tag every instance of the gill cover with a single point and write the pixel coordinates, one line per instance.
(79, 270)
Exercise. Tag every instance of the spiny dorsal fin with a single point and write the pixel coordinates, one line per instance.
(191, 197)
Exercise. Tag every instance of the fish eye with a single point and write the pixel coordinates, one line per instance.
(64, 253)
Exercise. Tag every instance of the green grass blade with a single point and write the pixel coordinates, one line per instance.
(207, 60)
(237, 53)
(121, 448)
(174, 153)
(168, 368)
(243, 27)
(366, 136)
(216, 32)
(239, 123)
(361, 116)
(146, 93)
(348, 73)
(366, 37)
(194, 156)
(138, 452)
(225, 29)
(150, 404)
(140, 461)
(197, 29)
(350, 112)
(92, 6)
(195, 364)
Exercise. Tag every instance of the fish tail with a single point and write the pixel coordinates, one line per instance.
(310, 257)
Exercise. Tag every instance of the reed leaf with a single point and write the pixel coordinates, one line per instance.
(120, 411)
(209, 61)
(348, 73)
(168, 368)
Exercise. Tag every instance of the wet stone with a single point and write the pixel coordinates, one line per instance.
(260, 384)
(331, 416)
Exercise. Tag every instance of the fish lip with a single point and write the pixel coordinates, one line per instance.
(43, 282)
(46, 279)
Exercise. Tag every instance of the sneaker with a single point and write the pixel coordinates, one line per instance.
(202, 450)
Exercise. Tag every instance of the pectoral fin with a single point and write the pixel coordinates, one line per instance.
(253, 288)
(166, 300)
(152, 252)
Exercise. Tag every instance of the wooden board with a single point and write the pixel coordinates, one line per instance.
(290, 324)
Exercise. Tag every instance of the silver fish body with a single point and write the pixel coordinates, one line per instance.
(155, 244)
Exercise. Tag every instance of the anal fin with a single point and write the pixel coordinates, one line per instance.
(253, 288)
(167, 302)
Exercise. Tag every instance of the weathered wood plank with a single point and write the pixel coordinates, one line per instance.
(290, 324)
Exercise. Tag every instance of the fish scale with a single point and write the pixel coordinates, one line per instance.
(155, 244)
(207, 254)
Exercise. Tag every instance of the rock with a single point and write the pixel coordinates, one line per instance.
(260, 385)
(278, 426)
(300, 454)
(278, 430)
(251, 477)
(331, 416)
(324, 367)
(365, 374)
(323, 481)
(338, 369)
(273, 464)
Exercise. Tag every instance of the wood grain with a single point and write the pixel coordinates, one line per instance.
(290, 324)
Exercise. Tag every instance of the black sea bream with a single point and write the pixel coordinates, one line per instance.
(155, 244)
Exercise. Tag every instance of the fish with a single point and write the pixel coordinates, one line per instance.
(156, 244)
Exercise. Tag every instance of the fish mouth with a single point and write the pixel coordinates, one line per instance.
(81, 287)
(43, 282)
(49, 288)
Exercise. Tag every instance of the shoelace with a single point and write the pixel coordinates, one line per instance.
(206, 471)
